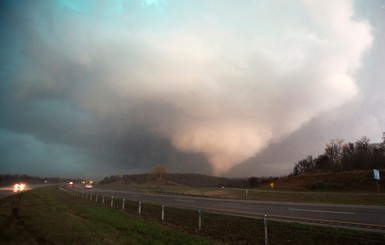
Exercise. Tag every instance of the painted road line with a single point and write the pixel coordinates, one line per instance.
(184, 200)
(319, 211)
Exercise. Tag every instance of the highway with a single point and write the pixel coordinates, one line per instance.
(10, 190)
(357, 216)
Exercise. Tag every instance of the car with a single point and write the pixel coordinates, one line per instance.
(18, 187)
(88, 186)
(72, 184)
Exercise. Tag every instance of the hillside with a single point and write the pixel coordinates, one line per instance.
(346, 181)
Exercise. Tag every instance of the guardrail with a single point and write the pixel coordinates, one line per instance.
(122, 204)
(89, 196)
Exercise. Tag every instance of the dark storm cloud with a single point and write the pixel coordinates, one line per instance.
(123, 85)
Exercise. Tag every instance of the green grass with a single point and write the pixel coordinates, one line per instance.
(52, 216)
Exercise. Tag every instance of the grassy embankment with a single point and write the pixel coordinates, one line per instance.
(51, 216)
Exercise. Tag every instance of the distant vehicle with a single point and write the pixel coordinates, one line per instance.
(88, 186)
(18, 187)
(72, 184)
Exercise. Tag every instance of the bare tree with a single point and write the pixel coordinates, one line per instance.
(159, 171)
(334, 152)
(383, 137)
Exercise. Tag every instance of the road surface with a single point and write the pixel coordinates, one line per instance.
(358, 216)
(10, 190)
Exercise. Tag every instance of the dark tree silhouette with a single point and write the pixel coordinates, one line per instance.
(361, 155)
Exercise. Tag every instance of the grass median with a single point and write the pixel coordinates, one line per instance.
(52, 216)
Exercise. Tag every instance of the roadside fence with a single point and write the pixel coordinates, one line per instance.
(236, 230)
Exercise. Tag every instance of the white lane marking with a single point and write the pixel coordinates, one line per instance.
(183, 200)
(319, 211)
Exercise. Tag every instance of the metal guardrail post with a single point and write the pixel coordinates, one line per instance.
(200, 219)
(265, 223)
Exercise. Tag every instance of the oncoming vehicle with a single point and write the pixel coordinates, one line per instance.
(18, 187)
(88, 186)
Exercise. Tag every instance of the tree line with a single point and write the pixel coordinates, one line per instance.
(8, 179)
(340, 156)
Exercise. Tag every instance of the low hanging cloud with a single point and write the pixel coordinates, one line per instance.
(219, 78)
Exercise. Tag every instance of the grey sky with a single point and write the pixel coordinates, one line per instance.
(91, 88)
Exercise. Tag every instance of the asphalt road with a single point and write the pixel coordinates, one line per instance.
(10, 190)
(361, 216)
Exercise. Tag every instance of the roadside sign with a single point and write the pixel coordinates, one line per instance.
(376, 173)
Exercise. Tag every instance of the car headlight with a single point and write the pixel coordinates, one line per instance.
(18, 187)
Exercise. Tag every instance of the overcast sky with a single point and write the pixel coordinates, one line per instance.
(228, 88)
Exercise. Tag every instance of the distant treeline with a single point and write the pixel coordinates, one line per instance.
(340, 156)
(197, 180)
(193, 180)
(9, 179)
